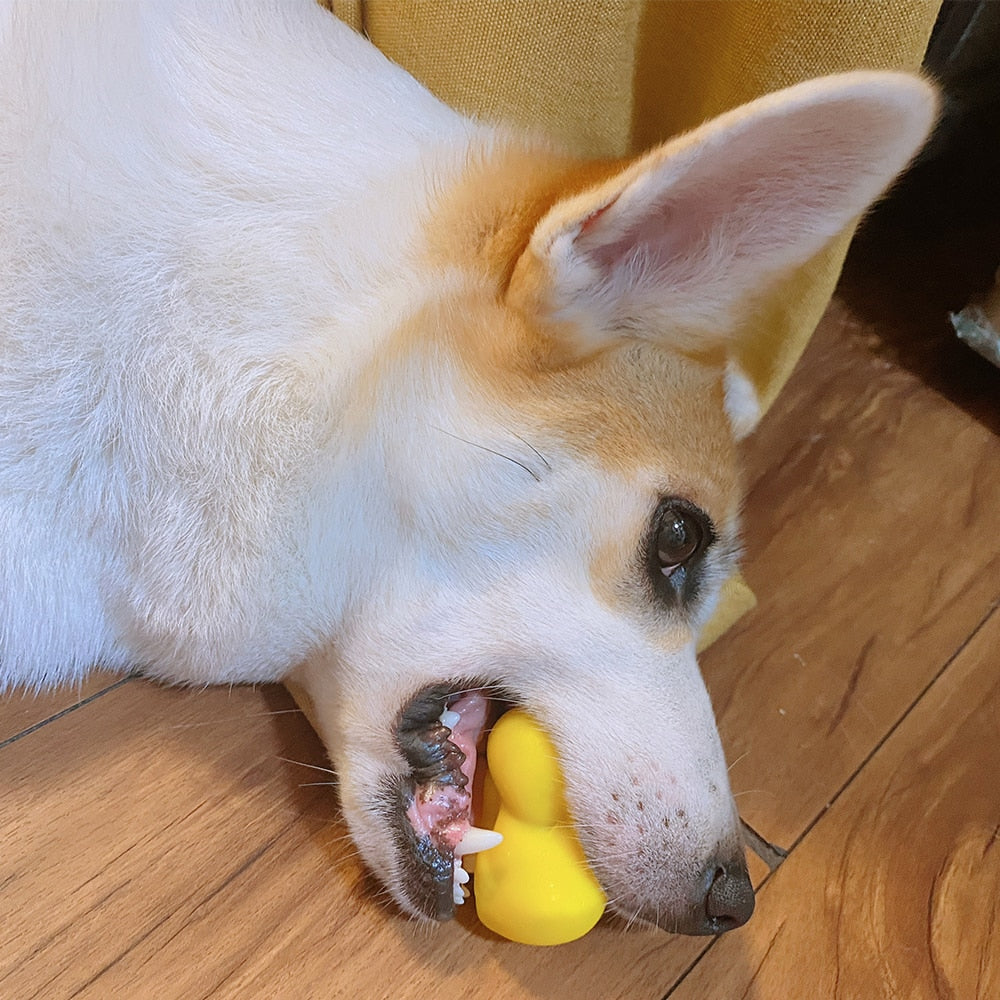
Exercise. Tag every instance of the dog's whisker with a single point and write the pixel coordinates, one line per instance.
(350, 857)
(339, 838)
(346, 848)
(582, 825)
(235, 718)
(343, 860)
(632, 920)
(312, 817)
(302, 763)
(629, 857)
(490, 690)
(475, 689)
(350, 853)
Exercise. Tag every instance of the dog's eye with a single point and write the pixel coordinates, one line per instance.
(678, 538)
(680, 535)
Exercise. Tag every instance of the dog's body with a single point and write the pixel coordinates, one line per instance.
(302, 373)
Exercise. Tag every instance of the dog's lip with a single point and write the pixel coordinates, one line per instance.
(423, 738)
(426, 869)
(427, 851)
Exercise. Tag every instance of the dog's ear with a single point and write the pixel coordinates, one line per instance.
(671, 246)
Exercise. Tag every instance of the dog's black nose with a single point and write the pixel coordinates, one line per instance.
(721, 900)
(729, 901)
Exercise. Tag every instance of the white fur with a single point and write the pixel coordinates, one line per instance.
(741, 399)
(179, 235)
(221, 461)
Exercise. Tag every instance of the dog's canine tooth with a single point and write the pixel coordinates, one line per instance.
(449, 719)
(475, 840)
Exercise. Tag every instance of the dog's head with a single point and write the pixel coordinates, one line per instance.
(552, 499)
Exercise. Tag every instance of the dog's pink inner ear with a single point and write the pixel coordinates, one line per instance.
(673, 246)
(659, 236)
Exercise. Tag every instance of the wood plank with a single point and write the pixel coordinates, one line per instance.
(99, 807)
(155, 844)
(896, 891)
(871, 528)
(21, 710)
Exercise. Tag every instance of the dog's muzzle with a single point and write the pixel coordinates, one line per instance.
(431, 811)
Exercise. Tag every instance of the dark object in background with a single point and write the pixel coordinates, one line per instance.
(964, 54)
(933, 246)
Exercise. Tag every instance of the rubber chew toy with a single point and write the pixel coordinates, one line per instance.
(535, 887)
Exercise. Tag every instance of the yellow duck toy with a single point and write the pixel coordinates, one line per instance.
(536, 886)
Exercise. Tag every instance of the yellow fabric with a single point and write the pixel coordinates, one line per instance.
(349, 11)
(615, 76)
(735, 600)
(611, 77)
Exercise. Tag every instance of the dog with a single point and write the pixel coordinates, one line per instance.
(306, 376)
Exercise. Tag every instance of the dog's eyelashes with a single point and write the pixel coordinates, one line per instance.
(482, 447)
(541, 458)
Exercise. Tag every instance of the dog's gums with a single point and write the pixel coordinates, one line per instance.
(438, 733)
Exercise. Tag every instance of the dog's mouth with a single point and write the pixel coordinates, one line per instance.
(439, 733)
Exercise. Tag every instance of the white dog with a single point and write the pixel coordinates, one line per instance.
(302, 374)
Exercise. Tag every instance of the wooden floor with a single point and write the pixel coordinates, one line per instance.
(169, 844)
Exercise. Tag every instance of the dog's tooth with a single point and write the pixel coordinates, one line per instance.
(449, 718)
(476, 839)
(459, 877)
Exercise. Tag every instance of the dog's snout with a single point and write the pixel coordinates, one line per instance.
(729, 901)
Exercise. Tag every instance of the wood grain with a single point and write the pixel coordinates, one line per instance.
(896, 890)
(872, 547)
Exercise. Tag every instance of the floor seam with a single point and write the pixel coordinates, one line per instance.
(66, 711)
